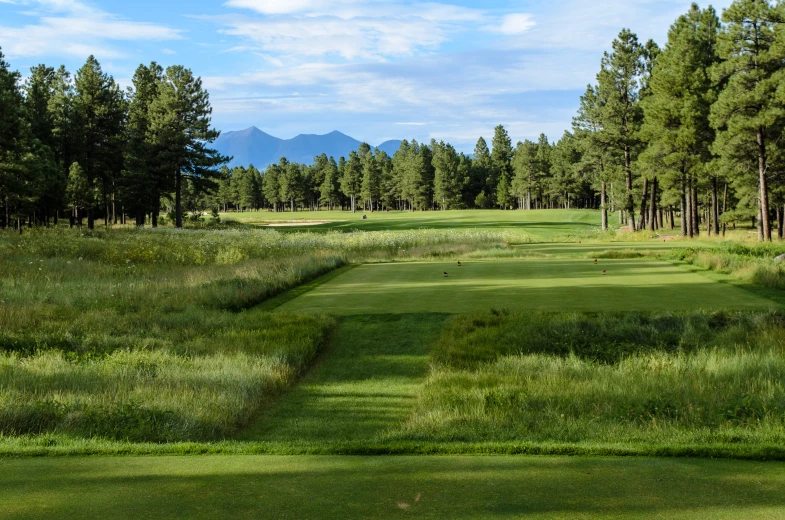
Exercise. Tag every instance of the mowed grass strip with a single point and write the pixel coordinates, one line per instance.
(365, 385)
(542, 284)
(330, 487)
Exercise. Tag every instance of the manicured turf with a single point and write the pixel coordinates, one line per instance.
(365, 385)
(552, 284)
(459, 488)
(585, 248)
(539, 224)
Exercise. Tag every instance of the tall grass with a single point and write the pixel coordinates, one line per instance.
(201, 247)
(678, 380)
(753, 264)
(158, 384)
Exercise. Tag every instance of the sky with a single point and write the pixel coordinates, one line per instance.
(373, 69)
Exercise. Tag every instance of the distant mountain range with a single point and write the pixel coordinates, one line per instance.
(252, 146)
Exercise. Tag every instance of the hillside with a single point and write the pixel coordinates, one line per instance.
(253, 146)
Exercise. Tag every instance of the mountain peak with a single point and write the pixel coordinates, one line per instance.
(253, 146)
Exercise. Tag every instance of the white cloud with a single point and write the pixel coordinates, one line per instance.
(73, 28)
(513, 24)
(286, 6)
(349, 29)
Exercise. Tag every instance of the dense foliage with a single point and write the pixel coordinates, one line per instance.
(81, 145)
(691, 130)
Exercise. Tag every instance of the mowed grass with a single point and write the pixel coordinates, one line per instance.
(542, 224)
(365, 386)
(381, 488)
(541, 284)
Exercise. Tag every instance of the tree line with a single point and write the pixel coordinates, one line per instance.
(691, 130)
(80, 146)
(691, 133)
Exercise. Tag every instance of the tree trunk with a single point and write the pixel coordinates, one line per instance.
(644, 199)
(630, 201)
(604, 209)
(764, 190)
(685, 231)
(178, 200)
(761, 234)
(653, 205)
(724, 207)
(694, 206)
(715, 205)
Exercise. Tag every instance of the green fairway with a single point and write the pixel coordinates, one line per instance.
(552, 284)
(542, 224)
(582, 249)
(461, 488)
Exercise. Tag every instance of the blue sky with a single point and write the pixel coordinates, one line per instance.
(374, 69)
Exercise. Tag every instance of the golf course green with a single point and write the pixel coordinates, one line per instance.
(542, 284)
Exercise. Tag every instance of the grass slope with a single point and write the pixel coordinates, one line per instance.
(460, 488)
(542, 284)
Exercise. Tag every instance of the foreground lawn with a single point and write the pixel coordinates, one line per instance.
(542, 284)
(460, 488)
(540, 224)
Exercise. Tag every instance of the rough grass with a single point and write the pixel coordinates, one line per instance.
(145, 351)
(698, 379)
(171, 247)
(160, 385)
(753, 264)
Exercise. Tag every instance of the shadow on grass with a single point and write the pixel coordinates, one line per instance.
(460, 488)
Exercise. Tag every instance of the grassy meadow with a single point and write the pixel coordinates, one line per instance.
(260, 347)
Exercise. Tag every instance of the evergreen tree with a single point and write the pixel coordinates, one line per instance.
(50, 183)
(79, 192)
(595, 153)
(142, 183)
(543, 164)
(16, 185)
(748, 114)
(180, 128)
(447, 181)
(371, 176)
(99, 117)
(620, 115)
(271, 184)
(482, 168)
(503, 196)
(351, 179)
(677, 110)
(330, 189)
(525, 171)
(501, 157)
